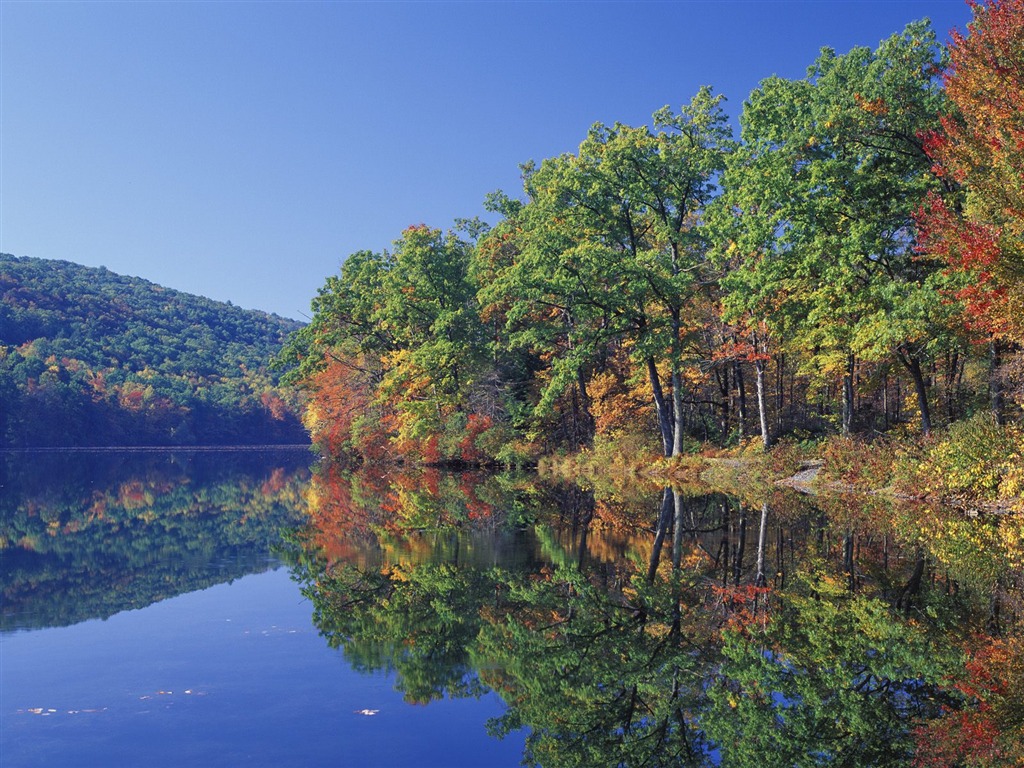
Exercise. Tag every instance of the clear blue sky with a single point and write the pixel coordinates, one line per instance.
(240, 150)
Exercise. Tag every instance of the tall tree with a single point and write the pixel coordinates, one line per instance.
(614, 245)
(822, 195)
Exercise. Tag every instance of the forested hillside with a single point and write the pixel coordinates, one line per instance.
(88, 357)
(850, 263)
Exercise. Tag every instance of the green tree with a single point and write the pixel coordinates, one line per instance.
(822, 196)
(613, 250)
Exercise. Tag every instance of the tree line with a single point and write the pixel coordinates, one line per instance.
(851, 262)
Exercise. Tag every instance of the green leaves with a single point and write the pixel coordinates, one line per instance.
(820, 201)
(832, 679)
(611, 247)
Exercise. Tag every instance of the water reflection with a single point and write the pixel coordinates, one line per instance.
(623, 626)
(86, 536)
(667, 627)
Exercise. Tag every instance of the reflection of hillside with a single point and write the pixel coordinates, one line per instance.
(88, 535)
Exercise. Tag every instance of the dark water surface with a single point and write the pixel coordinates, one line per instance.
(240, 609)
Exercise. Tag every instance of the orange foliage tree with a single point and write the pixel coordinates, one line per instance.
(979, 149)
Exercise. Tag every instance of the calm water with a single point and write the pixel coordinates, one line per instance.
(237, 609)
(181, 639)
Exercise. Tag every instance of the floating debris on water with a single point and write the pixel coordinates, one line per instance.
(47, 712)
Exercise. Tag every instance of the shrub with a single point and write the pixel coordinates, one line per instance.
(857, 462)
(976, 458)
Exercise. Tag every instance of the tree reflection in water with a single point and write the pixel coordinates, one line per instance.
(662, 627)
(87, 535)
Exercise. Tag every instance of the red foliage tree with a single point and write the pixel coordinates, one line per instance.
(980, 151)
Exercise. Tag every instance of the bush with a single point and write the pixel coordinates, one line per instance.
(787, 457)
(857, 462)
(976, 458)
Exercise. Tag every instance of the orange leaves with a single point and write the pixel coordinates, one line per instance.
(981, 147)
(877, 107)
(341, 415)
(616, 405)
(744, 606)
(275, 405)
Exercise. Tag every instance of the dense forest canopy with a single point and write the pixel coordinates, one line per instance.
(88, 357)
(851, 262)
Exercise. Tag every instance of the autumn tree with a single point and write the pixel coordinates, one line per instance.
(822, 194)
(979, 151)
(338, 357)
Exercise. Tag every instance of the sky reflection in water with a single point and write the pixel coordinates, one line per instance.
(147, 619)
(232, 674)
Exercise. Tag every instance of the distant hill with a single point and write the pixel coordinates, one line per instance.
(89, 357)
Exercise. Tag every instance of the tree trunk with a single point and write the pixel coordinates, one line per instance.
(741, 548)
(762, 536)
(664, 518)
(994, 624)
(848, 397)
(664, 416)
(780, 384)
(885, 401)
(677, 411)
(762, 405)
(741, 392)
(913, 585)
(995, 386)
(677, 532)
(722, 374)
(585, 423)
(913, 366)
(780, 558)
(848, 562)
(952, 367)
(897, 413)
(677, 379)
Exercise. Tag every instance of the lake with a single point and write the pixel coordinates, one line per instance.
(240, 608)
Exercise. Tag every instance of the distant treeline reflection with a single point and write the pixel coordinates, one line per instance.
(86, 535)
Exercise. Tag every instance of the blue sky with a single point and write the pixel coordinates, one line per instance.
(240, 150)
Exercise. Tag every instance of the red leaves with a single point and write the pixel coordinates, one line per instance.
(961, 243)
(744, 605)
(956, 737)
(972, 733)
(476, 425)
(967, 246)
(981, 147)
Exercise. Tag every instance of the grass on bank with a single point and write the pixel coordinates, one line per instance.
(972, 462)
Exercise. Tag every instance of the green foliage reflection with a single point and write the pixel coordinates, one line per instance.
(695, 632)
